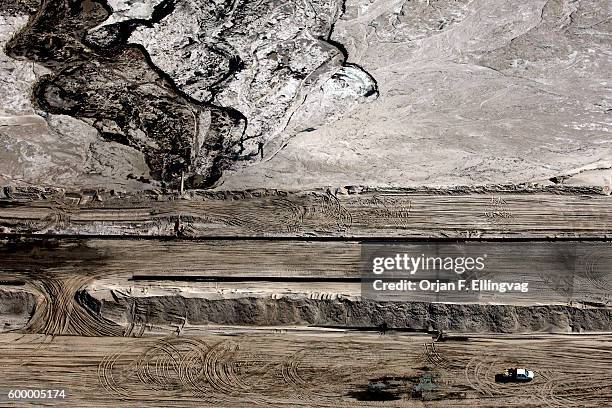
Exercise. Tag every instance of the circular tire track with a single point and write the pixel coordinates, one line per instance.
(59, 311)
(596, 271)
(175, 367)
(167, 367)
(585, 391)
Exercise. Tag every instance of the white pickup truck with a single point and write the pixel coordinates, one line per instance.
(515, 375)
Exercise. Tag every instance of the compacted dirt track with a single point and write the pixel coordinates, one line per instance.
(271, 367)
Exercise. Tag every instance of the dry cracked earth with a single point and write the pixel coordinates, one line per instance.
(187, 189)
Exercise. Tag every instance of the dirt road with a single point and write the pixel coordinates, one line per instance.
(272, 367)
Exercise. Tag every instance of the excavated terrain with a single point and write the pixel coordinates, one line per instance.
(172, 311)
(93, 287)
(189, 190)
(137, 94)
(228, 368)
(187, 113)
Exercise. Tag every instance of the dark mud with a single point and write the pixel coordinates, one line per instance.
(18, 7)
(102, 79)
(114, 86)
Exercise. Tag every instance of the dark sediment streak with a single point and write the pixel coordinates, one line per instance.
(101, 78)
(115, 86)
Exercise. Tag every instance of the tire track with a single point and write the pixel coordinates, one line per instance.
(59, 312)
(179, 366)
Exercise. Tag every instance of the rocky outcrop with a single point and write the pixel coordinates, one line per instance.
(228, 80)
(265, 59)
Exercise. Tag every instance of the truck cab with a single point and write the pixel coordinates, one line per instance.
(515, 375)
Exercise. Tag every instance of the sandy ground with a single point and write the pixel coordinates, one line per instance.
(233, 367)
(480, 212)
(471, 92)
(108, 286)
